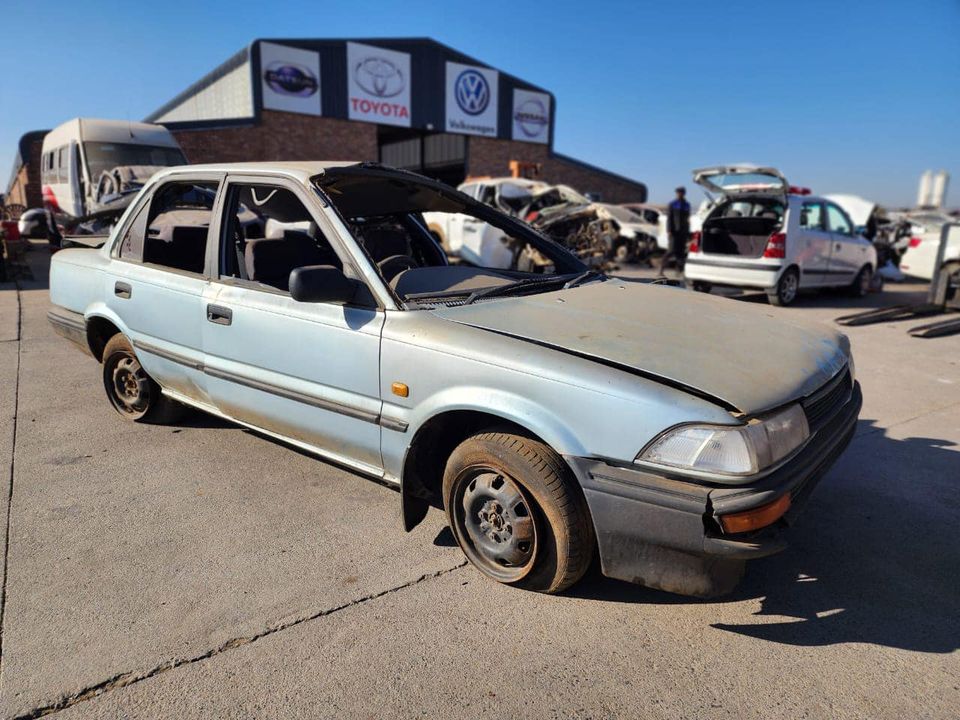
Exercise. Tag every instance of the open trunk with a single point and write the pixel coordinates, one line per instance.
(741, 227)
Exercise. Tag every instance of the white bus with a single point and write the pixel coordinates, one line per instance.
(91, 169)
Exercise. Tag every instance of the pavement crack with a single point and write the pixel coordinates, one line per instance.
(133, 677)
(13, 460)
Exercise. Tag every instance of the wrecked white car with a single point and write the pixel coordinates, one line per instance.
(551, 415)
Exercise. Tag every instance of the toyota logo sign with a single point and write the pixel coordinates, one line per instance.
(472, 92)
(290, 79)
(378, 76)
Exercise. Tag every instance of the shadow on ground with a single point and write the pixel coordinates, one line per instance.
(874, 558)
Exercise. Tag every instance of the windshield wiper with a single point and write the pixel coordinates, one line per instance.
(583, 277)
(506, 289)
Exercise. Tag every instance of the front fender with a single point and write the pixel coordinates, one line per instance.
(509, 406)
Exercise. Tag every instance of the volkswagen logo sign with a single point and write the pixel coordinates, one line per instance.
(472, 92)
(378, 76)
(532, 118)
(289, 79)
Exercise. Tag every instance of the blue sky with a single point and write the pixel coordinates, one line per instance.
(850, 96)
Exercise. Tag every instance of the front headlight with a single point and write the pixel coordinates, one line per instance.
(730, 450)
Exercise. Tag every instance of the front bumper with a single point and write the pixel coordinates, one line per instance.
(642, 518)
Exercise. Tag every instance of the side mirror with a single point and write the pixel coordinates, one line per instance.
(321, 283)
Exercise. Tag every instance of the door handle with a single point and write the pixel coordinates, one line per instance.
(838, 246)
(219, 314)
(122, 290)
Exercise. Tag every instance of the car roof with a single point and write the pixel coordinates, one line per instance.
(300, 169)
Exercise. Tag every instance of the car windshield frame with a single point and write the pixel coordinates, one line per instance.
(442, 198)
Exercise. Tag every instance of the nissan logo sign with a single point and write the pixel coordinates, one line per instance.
(532, 118)
(378, 76)
(289, 79)
(472, 92)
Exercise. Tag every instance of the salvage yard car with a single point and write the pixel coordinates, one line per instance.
(762, 233)
(552, 416)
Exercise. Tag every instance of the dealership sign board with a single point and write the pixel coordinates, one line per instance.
(471, 99)
(378, 85)
(531, 116)
(290, 78)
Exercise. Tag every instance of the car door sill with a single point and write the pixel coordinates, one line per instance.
(360, 467)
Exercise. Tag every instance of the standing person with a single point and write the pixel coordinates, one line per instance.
(678, 230)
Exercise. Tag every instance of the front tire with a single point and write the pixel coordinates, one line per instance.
(516, 512)
(702, 287)
(134, 394)
(788, 287)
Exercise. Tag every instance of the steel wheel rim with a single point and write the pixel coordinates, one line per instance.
(788, 290)
(495, 523)
(128, 386)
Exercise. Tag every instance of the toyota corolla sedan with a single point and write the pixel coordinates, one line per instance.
(554, 414)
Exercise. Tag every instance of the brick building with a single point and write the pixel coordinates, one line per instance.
(410, 103)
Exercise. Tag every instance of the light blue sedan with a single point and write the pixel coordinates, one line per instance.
(553, 413)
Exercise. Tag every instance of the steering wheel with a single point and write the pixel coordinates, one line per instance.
(394, 265)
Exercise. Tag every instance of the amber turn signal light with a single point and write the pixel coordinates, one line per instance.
(400, 389)
(756, 518)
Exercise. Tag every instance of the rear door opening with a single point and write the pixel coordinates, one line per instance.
(742, 226)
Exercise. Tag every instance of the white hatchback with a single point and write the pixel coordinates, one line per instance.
(762, 233)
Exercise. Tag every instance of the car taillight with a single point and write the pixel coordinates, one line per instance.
(694, 242)
(776, 246)
(915, 241)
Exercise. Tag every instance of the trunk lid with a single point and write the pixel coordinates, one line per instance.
(733, 352)
(733, 179)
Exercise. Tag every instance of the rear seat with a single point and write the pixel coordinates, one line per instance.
(185, 249)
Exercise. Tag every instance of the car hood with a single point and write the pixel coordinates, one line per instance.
(738, 354)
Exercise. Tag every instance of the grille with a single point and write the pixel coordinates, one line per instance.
(821, 405)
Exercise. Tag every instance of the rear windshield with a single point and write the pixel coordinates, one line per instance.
(747, 181)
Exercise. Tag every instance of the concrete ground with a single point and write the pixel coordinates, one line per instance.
(205, 571)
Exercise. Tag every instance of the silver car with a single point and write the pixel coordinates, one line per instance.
(553, 413)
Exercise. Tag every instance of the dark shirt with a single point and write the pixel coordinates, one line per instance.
(678, 218)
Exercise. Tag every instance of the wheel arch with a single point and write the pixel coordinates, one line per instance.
(435, 439)
(99, 331)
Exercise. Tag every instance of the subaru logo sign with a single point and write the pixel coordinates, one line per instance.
(532, 118)
(290, 79)
(472, 92)
(379, 77)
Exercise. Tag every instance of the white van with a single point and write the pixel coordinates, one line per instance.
(762, 233)
(94, 167)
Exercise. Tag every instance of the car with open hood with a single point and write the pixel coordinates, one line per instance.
(551, 412)
(760, 232)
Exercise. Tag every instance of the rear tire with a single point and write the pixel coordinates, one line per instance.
(134, 394)
(861, 284)
(788, 287)
(517, 513)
